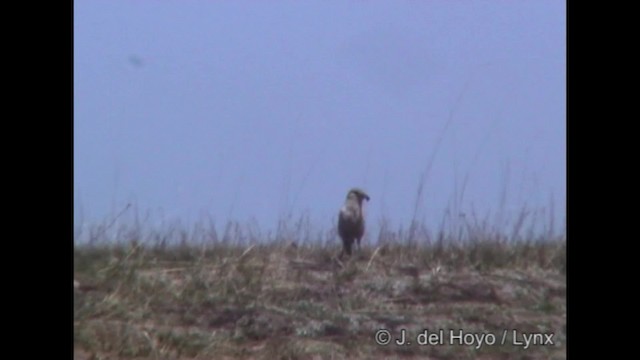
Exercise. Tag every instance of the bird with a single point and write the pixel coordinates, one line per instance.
(351, 220)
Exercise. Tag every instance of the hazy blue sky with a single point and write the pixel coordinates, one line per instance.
(252, 109)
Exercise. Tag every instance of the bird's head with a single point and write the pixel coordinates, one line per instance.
(359, 194)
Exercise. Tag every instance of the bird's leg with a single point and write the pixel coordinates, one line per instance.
(347, 247)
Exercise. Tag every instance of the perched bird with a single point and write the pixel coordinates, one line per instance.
(351, 221)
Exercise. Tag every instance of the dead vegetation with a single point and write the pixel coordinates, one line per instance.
(276, 301)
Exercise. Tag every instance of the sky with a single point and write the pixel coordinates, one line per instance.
(256, 111)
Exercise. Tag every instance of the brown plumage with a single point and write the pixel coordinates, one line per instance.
(351, 221)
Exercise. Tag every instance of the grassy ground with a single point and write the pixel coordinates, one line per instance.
(281, 301)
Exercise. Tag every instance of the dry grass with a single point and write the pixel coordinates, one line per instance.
(273, 300)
